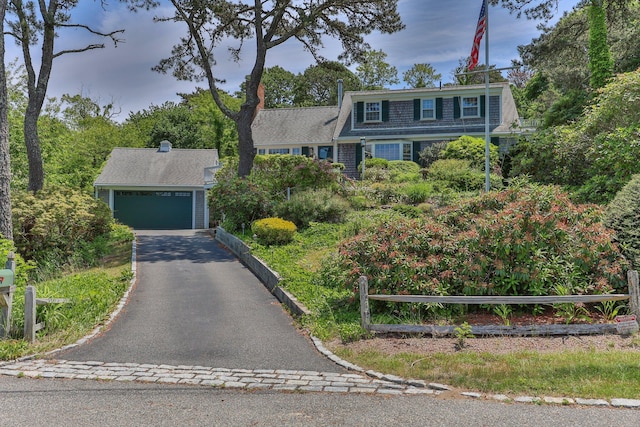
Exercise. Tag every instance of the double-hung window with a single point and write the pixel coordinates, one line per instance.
(373, 111)
(391, 150)
(470, 106)
(428, 110)
(278, 151)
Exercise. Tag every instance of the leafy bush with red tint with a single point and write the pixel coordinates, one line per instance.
(522, 241)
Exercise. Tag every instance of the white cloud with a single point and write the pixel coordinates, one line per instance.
(437, 32)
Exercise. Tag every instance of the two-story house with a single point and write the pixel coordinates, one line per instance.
(393, 124)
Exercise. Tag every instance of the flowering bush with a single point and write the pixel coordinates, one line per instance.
(274, 231)
(521, 241)
(239, 201)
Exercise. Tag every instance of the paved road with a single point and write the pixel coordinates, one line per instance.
(195, 304)
(46, 402)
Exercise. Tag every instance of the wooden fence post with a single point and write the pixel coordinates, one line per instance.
(634, 293)
(30, 314)
(365, 314)
(6, 299)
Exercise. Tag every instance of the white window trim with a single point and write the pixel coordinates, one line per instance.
(422, 117)
(365, 119)
(371, 148)
(462, 107)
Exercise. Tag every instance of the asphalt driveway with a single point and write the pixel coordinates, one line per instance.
(195, 304)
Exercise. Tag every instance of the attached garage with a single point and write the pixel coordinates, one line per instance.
(158, 188)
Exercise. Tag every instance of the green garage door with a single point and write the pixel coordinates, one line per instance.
(154, 209)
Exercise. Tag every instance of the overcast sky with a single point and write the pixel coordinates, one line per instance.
(438, 32)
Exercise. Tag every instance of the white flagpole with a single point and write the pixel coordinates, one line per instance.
(487, 136)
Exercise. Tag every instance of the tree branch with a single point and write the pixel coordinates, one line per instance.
(84, 49)
(111, 34)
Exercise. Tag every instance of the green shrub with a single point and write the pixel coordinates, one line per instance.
(239, 201)
(403, 166)
(318, 206)
(385, 193)
(377, 174)
(471, 149)
(406, 177)
(360, 202)
(51, 225)
(404, 171)
(431, 153)
(418, 193)
(277, 172)
(274, 231)
(459, 175)
(376, 162)
(623, 216)
(409, 211)
(376, 169)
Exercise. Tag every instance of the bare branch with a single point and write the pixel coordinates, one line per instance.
(84, 49)
(111, 34)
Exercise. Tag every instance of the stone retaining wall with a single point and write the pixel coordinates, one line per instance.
(267, 276)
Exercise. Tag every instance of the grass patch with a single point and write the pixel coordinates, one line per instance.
(94, 293)
(587, 374)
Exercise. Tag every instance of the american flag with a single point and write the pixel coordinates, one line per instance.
(480, 29)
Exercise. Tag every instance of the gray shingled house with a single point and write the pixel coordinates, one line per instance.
(165, 188)
(393, 124)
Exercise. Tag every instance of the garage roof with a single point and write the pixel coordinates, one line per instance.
(156, 167)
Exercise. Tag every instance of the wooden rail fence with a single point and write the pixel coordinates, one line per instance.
(526, 330)
(31, 326)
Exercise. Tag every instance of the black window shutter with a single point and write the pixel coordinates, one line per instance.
(495, 140)
(416, 151)
(305, 151)
(359, 112)
(482, 105)
(439, 108)
(416, 109)
(385, 111)
(456, 107)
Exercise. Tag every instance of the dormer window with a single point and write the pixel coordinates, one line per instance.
(373, 111)
(428, 110)
(470, 106)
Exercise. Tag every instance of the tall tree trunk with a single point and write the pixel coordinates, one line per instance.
(246, 151)
(34, 155)
(36, 86)
(6, 228)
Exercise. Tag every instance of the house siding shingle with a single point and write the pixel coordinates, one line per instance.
(347, 156)
(200, 200)
(402, 120)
